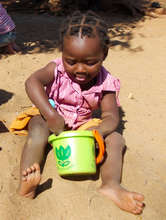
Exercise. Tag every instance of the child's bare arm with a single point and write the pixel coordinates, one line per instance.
(109, 114)
(35, 89)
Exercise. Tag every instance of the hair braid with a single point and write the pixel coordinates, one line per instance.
(85, 24)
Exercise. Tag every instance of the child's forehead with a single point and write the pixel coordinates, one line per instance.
(78, 41)
(82, 47)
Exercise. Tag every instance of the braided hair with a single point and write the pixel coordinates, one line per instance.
(87, 24)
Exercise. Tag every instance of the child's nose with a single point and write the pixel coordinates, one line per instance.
(80, 68)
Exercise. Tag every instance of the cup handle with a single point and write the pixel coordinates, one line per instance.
(101, 146)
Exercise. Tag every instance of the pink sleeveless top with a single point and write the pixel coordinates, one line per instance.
(74, 105)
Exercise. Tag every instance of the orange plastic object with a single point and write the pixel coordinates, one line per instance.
(101, 146)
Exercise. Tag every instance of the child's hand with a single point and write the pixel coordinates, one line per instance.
(56, 123)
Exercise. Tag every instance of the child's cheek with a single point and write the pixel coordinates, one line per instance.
(96, 69)
(67, 68)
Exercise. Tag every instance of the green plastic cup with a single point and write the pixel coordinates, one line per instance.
(75, 152)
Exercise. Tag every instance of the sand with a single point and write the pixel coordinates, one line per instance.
(139, 62)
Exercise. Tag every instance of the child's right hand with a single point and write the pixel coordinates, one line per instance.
(56, 123)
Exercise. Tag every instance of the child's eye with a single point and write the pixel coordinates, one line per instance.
(91, 63)
(70, 62)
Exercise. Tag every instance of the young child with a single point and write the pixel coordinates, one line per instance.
(78, 84)
(7, 32)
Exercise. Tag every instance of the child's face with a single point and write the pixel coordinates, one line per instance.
(82, 58)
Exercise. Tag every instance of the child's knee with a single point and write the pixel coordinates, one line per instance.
(119, 138)
(37, 139)
(115, 139)
(38, 130)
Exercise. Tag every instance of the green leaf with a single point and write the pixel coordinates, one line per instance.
(61, 163)
(63, 153)
(58, 153)
(66, 163)
(67, 152)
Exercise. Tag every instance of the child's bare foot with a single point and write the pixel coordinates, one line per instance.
(30, 180)
(128, 201)
(10, 49)
(13, 48)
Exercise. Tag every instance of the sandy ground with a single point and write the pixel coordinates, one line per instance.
(140, 64)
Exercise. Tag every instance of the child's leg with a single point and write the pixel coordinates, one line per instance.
(13, 48)
(10, 48)
(32, 156)
(8, 41)
(16, 47)
(111, 177)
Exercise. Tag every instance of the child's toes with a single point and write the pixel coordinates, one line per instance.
(37, 167)
(24, 173)
(33, 169)
(138, 210)
(140, 204)
(29, 170)
(138, 197)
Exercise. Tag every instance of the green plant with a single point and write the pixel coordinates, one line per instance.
(62, 155)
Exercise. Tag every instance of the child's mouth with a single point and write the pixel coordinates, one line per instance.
(80, 77)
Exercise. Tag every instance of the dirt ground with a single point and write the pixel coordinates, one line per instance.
(137, 57)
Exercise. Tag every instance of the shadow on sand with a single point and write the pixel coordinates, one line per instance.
(37, 33)
(5, 96)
